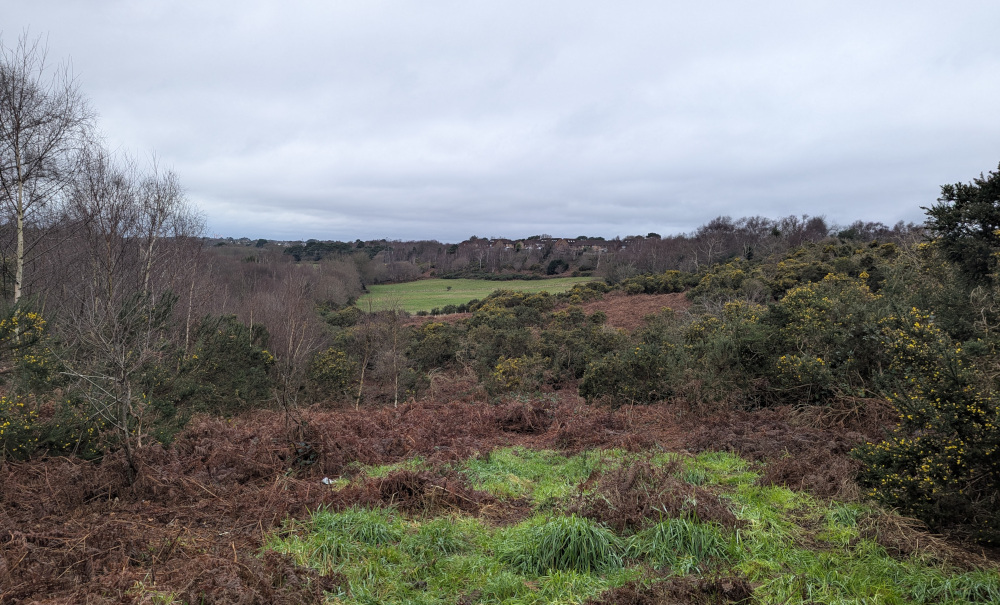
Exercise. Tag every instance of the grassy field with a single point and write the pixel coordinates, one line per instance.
(427, 294)
(778, 545)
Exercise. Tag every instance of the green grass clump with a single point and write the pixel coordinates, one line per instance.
(428, 294)
(681, 544)
(439, 537)
(564, 543)
(543, 477)
(385, 559)
(711, 468)
(367, 526)
(802, 550)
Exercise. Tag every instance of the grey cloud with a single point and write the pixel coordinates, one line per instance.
(447, 118)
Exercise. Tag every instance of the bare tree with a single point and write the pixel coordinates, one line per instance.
(160, 202)
(117, 324)
(43, 121)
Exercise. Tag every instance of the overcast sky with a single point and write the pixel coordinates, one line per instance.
(440, 119)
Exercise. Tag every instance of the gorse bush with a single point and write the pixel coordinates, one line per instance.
(659, 283)
(331, 374)
(722, 280)
(433, 345)
(229, 368)
(942, 461)
(19, 428)
(572, 341)
(27, 361)
(828, 332)
(639, 374)
(524, 373)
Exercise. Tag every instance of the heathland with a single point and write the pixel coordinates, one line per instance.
(761, 411)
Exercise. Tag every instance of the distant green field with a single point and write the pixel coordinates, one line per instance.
(426, 294)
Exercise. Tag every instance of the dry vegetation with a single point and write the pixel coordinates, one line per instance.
(193, 522)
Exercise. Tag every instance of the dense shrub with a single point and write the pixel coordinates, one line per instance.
(643, 369)
(942, 461)
(509, 299)
(828, 333)
(65, 428)
(25, 356)
(659, 283)
(723, 281)
(331, 374)
(433, 345)
(572, 340)
(585, 292)
(229, 368)
(731, 351)
(341, 317)
(19, 428)
(484, 345)
(517, 374)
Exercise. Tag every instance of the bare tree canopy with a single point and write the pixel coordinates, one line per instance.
(44, 119)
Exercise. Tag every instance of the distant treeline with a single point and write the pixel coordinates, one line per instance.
(613, 260)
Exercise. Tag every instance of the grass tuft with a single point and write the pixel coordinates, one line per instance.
(438, 537)
(682, 544)
(367, 526)
(561, 544)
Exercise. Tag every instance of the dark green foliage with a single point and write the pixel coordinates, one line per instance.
(507, 299)
(643, 369)
(331, 374)
(581, 293)
(229, 369)
(572, 347)
(662, 283)
(469, 273)
(828, 335)
(71, 432)
(732, 353)
(722, 281)
(966, 220)
(485, 345)
(314, 250)
(555, 266)
(340, 317)
(25, 355)
(434, 345)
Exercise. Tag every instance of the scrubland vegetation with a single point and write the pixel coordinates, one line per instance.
(809, 416)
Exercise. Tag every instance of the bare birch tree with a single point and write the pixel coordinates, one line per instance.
(118, 323)
(43, 121)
